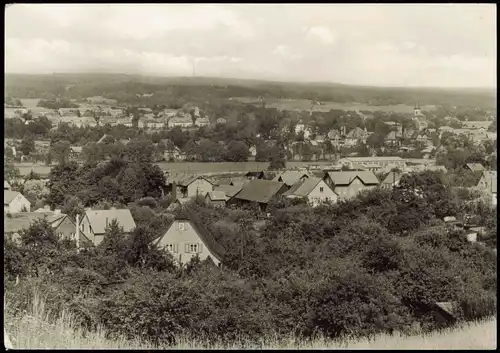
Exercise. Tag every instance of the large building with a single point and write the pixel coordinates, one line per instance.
(372, 163)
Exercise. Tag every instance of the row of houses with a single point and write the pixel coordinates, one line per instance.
(185, 238)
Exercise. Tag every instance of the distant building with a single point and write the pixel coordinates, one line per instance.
(216, 198)
(475, 167)
(367, 162)
(391, 180)
(95, 222)
(185, 185)
(14, 202)
(255, 175)
(290, 177)
(259, 192)
(314, 189)
(349, 184)
(488, 183)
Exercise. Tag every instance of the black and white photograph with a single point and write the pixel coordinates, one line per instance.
(250, 176)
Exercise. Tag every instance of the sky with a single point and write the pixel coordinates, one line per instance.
(362, 44)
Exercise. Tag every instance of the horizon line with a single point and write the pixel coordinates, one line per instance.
(254, 79)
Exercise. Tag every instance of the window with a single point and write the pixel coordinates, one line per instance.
(181, 226)
(193, 248)
(320, 189)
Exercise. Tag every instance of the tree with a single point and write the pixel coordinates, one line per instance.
(277, 158)
(237, 151)
(72, 206)
(10, 172)
(27, 145)
(60, 150)
(92, 153)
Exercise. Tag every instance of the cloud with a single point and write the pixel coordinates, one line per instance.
(441, 45)
(323, 33)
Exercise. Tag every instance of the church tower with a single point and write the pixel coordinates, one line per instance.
(416, 111)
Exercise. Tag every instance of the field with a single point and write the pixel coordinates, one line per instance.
(190, 167)
(36, 329)
(304, 104)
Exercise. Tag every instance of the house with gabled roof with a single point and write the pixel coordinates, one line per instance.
(95, 222)
(216, 198)
(475, 167)
(290, 177)
(63, 225)
(229, 190)
(488, 183)
(348, 184)
(188, 237)
(355, 135)
(14, 202)
(259, 192)
(255, 175)
(314, 189)
(188, 185)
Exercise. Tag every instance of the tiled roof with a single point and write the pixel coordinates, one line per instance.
(97, 219)
(259, 190)
(392, 177)
(217, 195)
(345, 178)
(228, 190)
(8, 196)
(290, 177)
(303, 188)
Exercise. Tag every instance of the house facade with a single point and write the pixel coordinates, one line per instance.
(14, 202)
(216, 199)
(186, 239)
(316, 190)
(95, 222)
(349, 184)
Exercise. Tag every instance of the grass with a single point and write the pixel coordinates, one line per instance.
(36, 328)
(304, 104)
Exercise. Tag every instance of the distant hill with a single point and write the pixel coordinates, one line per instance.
(97, 84)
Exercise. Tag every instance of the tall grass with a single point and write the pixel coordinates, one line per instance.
(38, 328)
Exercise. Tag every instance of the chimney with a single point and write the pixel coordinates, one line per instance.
(106, 222)
(77, 234)
(174, 190)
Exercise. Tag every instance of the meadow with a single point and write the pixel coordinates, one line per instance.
(37, 329)
(304, 104)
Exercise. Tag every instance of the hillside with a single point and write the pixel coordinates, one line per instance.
(96, 84)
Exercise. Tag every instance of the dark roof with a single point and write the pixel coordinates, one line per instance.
(187, 214)
(259, 190)
(256, 174)
(304, 187)
(346, 177)
(229, 190)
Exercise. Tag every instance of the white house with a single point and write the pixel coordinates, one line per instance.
(184, 185)
(95, 222)
(187, 238)
(14, 202)
(314, 189)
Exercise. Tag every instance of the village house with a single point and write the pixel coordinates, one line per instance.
(68, 111)
(201, 122)
(95, 222)
(185, 185)
(488, 183)
(179, 202)
(349, 184)
(314, 189)
(63, 226)
(221, 121)
(383, 162)
(216, 198)
(75, 151)
(355, 136)
(255, 175)
(290, 177)
(476, 125)
(475, 167)
(181, 121)
(391, 180)
(6, 185)
(229, 190)
(259, 192)
(14, 202)
(187, 237)
(174, 153)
